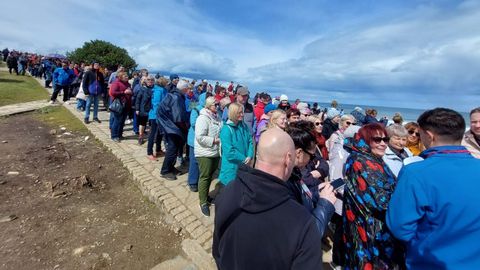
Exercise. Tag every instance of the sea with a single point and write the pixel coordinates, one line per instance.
(409, 115)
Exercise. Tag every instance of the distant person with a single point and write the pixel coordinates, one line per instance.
(346, 121)
(319, 139)
(264, 119)
(396, 151)
(62, 78)
(92, 84)
(114, 75)
(397, 119)
(330, 125)
(143, 105)
(284, 105)
(293, 115)
(193, 170)
(371, 117)
(434, 208)
(237, 143)
(315, 109)
(248, 114)
(414, 144)
(294, 105)
(369, 186)
(278, 119)
(5, 53)
(174, 79)
(12, 63)
(471, 140)
(359, 115)
(263, 100)
(258, 225)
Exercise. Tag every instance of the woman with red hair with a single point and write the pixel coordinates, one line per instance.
(369, 186)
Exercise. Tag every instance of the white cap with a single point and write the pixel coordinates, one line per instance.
(283, 97)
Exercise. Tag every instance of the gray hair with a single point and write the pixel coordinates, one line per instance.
(397, 130)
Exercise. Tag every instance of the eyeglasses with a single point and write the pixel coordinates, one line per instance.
(380, 139)
(411, 132)
(318, 123)
(312, 156)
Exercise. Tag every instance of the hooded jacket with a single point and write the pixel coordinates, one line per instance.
(236, 146)
(258, 225)
(207, 128)
(63, 76)
(394, 162)
(158, 94)
(92, 82)
(172, 115)
(434, 210)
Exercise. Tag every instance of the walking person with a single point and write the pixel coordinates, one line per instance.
(155, 135)
(92, 84)
(206, 150)
(62, 78)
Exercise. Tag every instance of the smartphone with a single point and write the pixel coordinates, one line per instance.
(337, 183)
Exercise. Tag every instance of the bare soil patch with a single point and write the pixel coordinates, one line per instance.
(67, 203)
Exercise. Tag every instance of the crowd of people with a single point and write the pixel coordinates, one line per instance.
(389, 194)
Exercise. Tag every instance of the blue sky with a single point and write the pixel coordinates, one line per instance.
(415, 54)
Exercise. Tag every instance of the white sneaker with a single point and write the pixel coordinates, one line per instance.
(51, 102)
(128, 121)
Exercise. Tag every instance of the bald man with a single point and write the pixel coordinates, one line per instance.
(258, 225)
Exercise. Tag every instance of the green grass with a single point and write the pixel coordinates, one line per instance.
(56, 116)
(3, 64)
(19, 89)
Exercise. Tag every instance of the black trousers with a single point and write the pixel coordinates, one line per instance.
(57, 89)
(173, 143)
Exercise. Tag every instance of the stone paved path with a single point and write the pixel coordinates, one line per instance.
(22, 107)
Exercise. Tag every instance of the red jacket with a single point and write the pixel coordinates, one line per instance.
(117, 90)
(258, 111)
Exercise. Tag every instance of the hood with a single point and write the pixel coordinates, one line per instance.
(260, 191)
(201, 101)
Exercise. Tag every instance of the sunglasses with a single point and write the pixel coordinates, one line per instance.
(312, 156)
(411, 132)
(380, 139)
(349, 123)
(318, 123)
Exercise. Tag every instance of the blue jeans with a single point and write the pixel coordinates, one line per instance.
(118, 121)
(80, 104)
(92, 99)
(193, 171)
(135, 123)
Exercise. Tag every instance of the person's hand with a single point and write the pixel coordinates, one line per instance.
(128, 91)
(137, 112)
(216, 141)
(247, 160)
(316, 174)
(326, 192)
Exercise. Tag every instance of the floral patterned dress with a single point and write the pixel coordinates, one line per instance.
(369, 186)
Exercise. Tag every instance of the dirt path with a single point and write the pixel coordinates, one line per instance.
(73, 205)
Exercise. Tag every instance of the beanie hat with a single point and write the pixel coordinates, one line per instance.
(173, 77)
(283, 97)
(332, 112)
(270, 107)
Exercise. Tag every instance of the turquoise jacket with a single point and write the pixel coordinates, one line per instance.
(193, 119)
(158, 93)
(237, 145)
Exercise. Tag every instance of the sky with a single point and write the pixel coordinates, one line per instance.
(411, 54)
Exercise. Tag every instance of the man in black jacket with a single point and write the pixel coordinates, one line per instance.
(258, 225)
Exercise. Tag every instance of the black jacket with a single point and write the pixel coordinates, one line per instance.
(258, 225)
(329, 128)
(143, 100)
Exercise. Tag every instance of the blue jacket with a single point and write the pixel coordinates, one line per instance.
(63, 76)
(158, 94)
(435, 211)
(172, 115)
(193, 118)
(237, 145)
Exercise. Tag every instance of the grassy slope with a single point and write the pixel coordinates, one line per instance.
(18, 89)
(56, 116)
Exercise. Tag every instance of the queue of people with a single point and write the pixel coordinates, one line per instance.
(394, 197)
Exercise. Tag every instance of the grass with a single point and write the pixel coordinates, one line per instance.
(56, 116)
(3, 64)
(19, 89)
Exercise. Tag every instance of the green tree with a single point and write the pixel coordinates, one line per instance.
(103, 52)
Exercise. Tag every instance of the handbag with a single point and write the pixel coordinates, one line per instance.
(116, 106)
